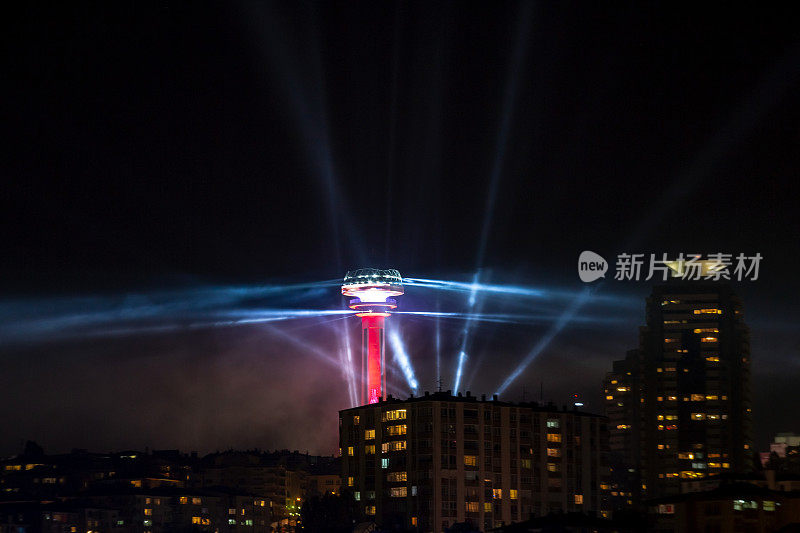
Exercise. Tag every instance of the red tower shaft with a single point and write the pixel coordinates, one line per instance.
(372, 334)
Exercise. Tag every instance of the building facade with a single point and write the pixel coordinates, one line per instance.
(679, 406)
(435, 460)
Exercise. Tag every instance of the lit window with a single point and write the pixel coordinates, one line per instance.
(712, 359)
(396, 430)
(413, 520)
(553, 437)
(768, 505)
(513, 494)
(672, 398)
(183, 500)
(698, 416)
(553, 423)
(369, 434)
(709, 339)
(398, 414)
(526, 463)
(369, 449)
(620, 389)
(470, 460)
(609, 397)
(394, 477)
(472, 507)
(357, 496)
(553, 467)
(685, 455)
(487, 507)
(497, 494)
(579, 499)
(666, 508)
(370, 510)
(148, 512)
(231, 511)
(385, 463)
(623, 426)
(708, 311)
(350, 451)
(356, 420)
(398, 492)
(196, 501)
(554, 452)
(712, 397)
(706, 330)
(743, 505)
(350, 481)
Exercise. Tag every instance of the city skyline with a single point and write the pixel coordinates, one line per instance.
(188, 188)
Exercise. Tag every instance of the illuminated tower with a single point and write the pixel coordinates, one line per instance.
(371, 293)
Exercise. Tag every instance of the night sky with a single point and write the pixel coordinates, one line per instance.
(169, 167)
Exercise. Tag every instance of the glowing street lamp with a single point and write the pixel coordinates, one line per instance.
(371, 292)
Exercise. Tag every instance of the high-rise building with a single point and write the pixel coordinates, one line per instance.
(679, 405)
(435, 460)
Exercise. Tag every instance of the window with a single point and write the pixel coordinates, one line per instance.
(397, 414)
(553, 423)
(712, 359)
(350, 451)
(384, 463)
(623, 426)
(554, 452)
(744, 505)
(553, 437)
(398, 492)
(497, 494)
(396, 430)
(707, 311)
(470, 460)
(370, 510)
(350, 481)
(698, 416)
(472, 507)
(709, 339)
(526, 463)
(183, 500)
(356, 420)
(369, 434)
(620, 389)
(579, 499)
(609, 397)
(394, 446)
(397, 476)
(666, 508)
(768, 505)
(231, 511)
(553, 467)
(369, 449)
(706, 330)
(698, 397)
(196, 501)
(357, 496)
(487, 507)
(513, 494)
(148, 512)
